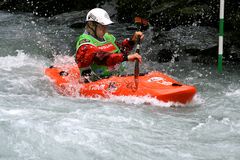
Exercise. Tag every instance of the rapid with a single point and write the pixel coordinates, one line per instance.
(36, 123)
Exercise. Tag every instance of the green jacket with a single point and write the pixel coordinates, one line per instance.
(101, 70)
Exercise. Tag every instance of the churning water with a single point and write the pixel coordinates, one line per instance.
(38, 124)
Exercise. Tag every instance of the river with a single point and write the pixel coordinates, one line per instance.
(36, 123)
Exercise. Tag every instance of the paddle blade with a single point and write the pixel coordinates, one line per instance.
(143, 23)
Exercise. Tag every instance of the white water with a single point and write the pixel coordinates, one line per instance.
(36, 123)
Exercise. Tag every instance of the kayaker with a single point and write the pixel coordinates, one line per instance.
(98, 54)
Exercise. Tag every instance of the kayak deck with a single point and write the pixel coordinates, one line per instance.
(154, 84)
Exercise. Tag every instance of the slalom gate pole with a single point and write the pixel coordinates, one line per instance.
(221, 34)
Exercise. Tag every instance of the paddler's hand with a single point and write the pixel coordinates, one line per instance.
(133, 57)
(136, 34)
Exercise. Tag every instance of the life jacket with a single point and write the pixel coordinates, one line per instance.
(108, 45)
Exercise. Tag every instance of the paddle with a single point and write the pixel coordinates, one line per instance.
(142, 24)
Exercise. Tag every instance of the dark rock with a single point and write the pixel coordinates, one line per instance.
(78, 25)
(207, 56)
(165, 55)
(75, 18)
(166, 14)
(41, 8)
(128, 9)
(174, 13)
(199, 42)
(47, 8)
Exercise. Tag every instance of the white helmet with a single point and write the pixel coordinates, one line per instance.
(99, 15)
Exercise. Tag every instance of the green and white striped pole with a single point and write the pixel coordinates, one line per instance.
(221, 33)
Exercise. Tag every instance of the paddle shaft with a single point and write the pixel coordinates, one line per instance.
(136, 68)
(142, 24)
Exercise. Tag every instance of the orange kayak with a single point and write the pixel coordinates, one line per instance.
(155, 84)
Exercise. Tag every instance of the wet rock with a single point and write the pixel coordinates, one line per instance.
(74, 19)
(41, 8)
(128, 9)
(47, 8)
(199, 42)
(165, 55)
(182, 41)
(168, 15)
(176, 24)
(2, 2)
(206, 56)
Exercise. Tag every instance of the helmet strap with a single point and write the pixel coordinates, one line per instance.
(93, 29)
